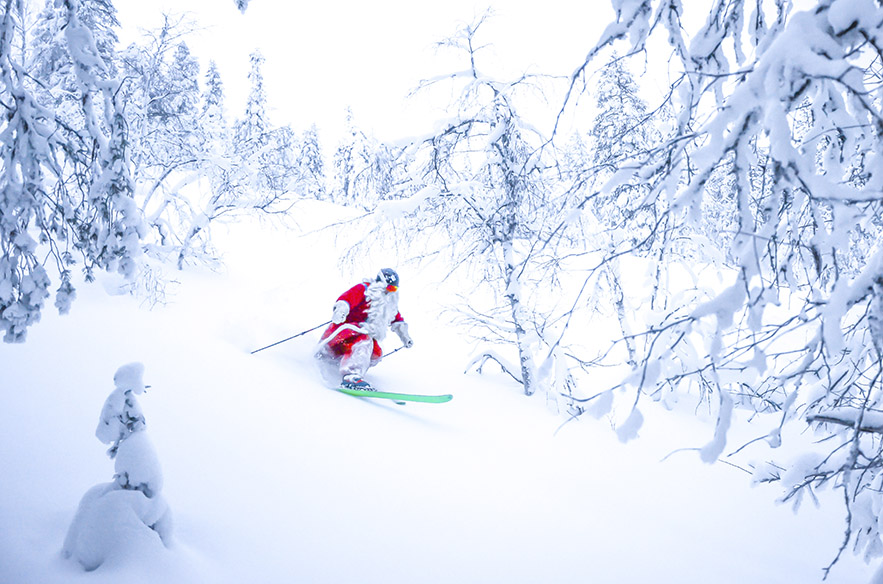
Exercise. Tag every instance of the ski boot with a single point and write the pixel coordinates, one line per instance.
(356, 382)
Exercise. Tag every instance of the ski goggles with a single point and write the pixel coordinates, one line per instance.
(392, 288)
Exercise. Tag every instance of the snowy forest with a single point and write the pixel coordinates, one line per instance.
(693, 215)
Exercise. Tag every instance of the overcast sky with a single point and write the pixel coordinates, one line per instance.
(324, 56)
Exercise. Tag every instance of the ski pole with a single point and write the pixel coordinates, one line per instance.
(292, 337)
(393, 351)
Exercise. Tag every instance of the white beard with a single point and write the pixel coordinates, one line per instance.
(382, 309)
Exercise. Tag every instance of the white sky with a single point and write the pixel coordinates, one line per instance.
(324, 56)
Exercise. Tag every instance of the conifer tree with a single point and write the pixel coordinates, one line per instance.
(310, 164)
(621, 131)
(344, 165)
(268, 152)
(251, 167)
(100, 17)
(364, 168)
(252, 129)
(130, 510)
(213, 98)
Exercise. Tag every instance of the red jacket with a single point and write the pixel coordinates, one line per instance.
(342, 342)
(355, 297)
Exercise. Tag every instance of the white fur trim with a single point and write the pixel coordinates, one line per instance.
(341, 311)
(401, 329)
(382, 309)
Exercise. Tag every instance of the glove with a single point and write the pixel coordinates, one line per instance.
(341, 311)
(401, 329)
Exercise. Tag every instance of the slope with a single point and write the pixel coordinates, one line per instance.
(274, 478)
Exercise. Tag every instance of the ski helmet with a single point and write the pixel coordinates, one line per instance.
(389, 276)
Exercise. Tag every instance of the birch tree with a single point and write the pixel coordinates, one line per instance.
(785, 104)
(482, 180)
(65, 184)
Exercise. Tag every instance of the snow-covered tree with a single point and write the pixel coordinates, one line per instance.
(269, 152)
(48, 59)
(379, 175)
(482, 180)
(162, 97)
(364, 170)
(311, 166)
(344, 161)
(777, 111)
(193, 166)
(214, 97)
(66, 185)
(252, 129)
(621, 128)
(100, 17)
(249, 167)
(129, 513)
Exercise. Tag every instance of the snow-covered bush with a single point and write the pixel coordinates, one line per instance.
(128, 514)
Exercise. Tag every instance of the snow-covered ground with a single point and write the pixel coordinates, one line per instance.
(272, 478)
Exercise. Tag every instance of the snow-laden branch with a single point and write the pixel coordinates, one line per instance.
(773, 153)
(849, 417)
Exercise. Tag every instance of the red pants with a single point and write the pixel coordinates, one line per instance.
(354, 351)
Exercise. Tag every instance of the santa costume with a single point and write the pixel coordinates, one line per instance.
(360, 319)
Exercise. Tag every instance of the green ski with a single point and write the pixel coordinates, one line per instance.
(397, 397)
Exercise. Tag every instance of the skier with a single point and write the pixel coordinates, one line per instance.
(359, 320)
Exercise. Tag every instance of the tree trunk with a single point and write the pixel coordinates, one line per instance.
(513, 293)
(612, 273)
(185, 246)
